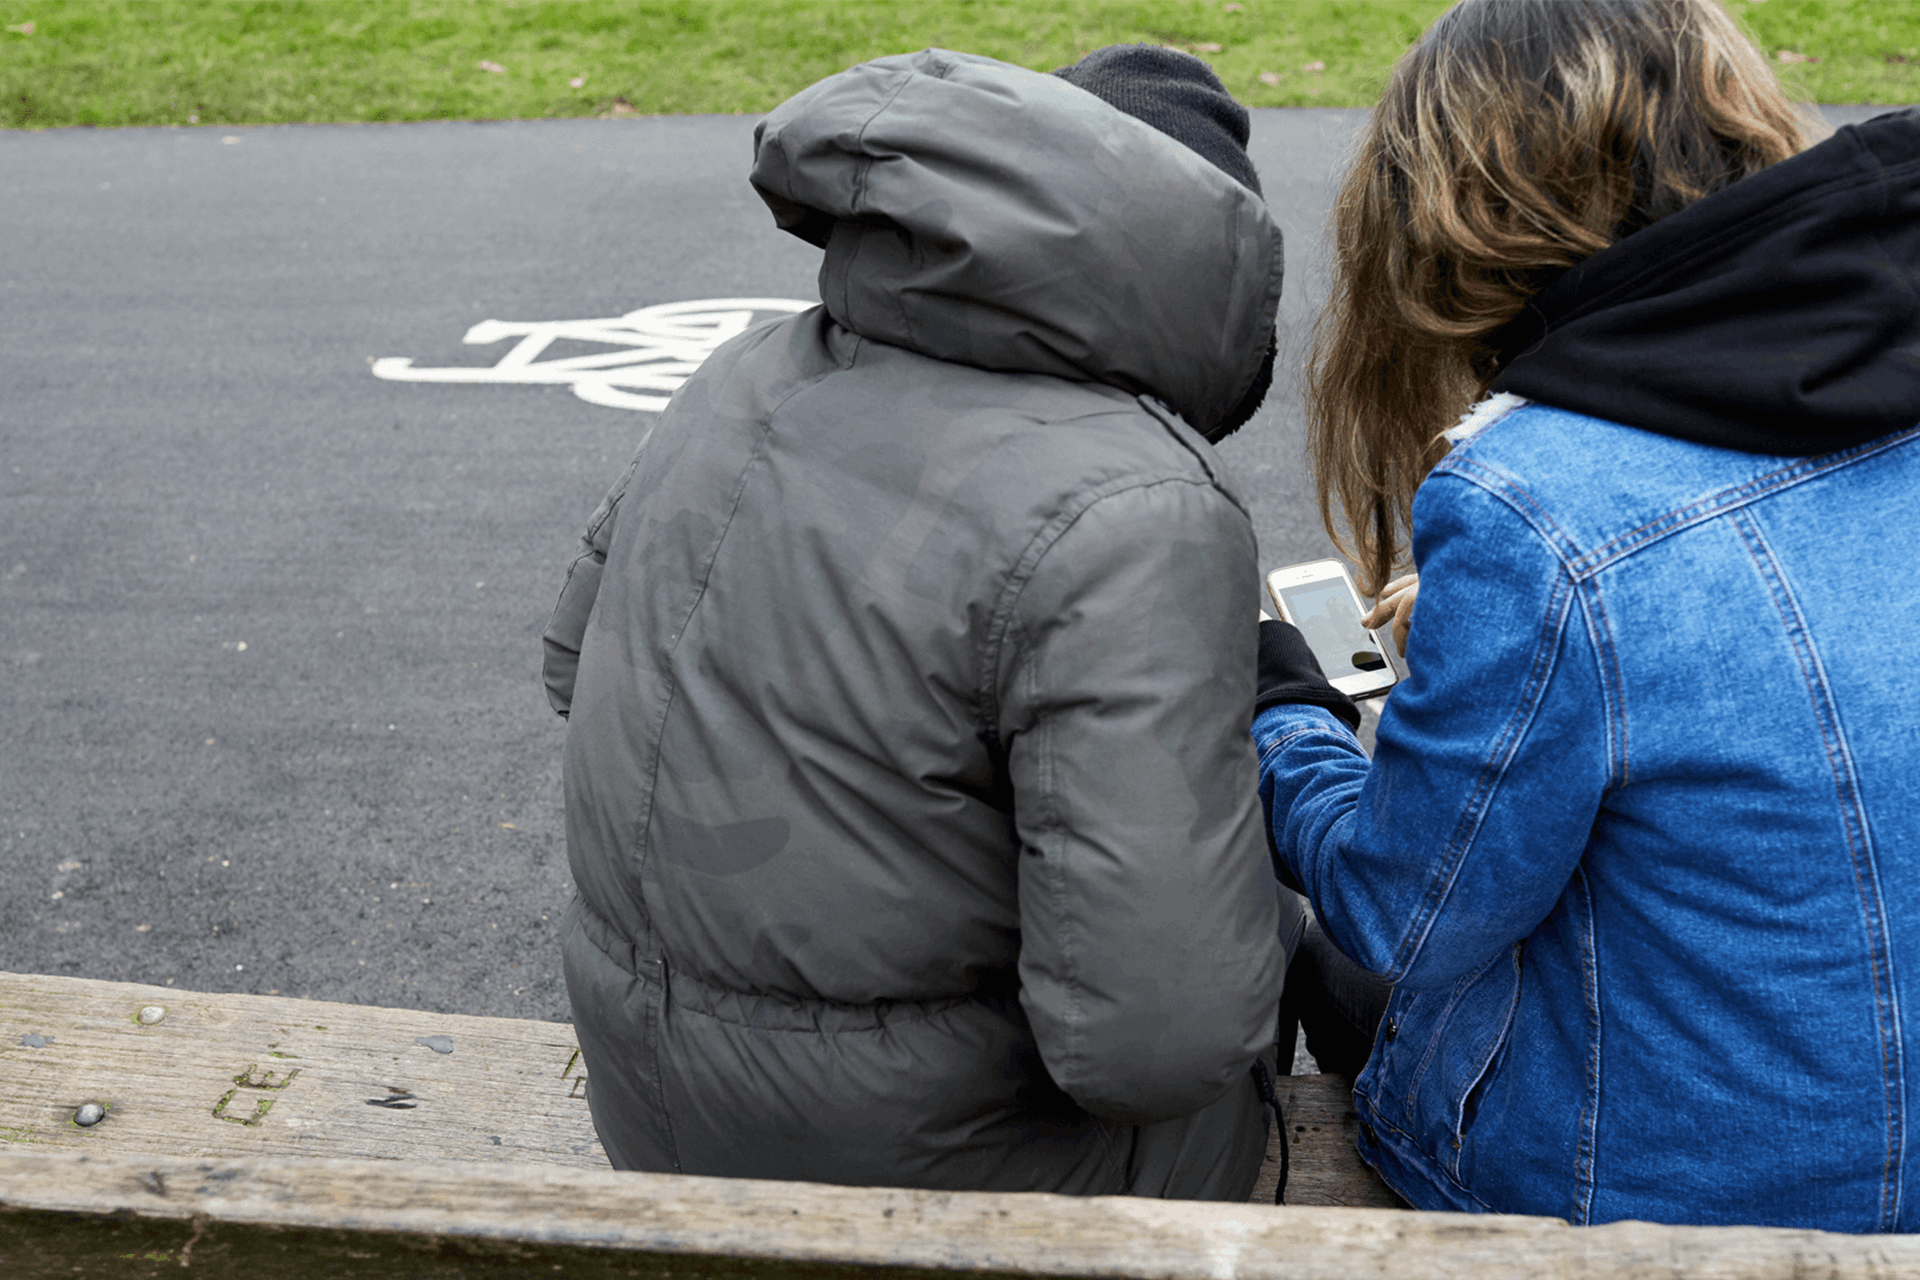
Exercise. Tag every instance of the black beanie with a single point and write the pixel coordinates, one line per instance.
(1177, 94)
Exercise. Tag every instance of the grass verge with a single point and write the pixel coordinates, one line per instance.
(223, 62)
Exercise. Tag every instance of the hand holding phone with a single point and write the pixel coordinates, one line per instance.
(1319, 598)
(1396, 605)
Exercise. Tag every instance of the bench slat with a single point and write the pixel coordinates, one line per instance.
(243, 1075)
(339, 1175)
(417, 1218)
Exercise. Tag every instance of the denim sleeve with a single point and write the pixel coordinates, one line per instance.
(1490, 762)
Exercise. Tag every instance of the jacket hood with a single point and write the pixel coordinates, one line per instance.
(993, 216)
(1777, 316)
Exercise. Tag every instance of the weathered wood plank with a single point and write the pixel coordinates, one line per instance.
(190, 1172)
(241, 1075)
(391, 1218)
(1325, 1169)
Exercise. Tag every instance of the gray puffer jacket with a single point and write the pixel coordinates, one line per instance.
(909, 790)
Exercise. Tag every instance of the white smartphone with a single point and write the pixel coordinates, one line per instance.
(1318, 597)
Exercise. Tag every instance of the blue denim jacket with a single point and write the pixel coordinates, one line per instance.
(1640, 839)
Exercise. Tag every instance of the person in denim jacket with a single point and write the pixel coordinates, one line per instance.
(1639, 841)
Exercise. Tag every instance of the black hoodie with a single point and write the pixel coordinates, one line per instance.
(1778, 316)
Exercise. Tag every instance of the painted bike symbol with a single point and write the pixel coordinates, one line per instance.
(657, 349)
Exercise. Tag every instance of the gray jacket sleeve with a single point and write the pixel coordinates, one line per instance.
(568, 626)
(1149, 958)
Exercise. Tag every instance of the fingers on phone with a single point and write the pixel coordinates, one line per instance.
(1389, 607)
(1396, 605)
(1402, 620)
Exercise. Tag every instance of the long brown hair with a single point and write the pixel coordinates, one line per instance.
(1516, 138)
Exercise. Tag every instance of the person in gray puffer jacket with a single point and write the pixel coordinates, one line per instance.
(909, 672)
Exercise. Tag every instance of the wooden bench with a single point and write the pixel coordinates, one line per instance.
(252, 1135)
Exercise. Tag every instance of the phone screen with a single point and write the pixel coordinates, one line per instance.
(1325, 613)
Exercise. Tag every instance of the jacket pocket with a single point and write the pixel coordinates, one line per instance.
(1437, 1055)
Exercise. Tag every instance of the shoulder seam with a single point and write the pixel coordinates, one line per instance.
(1045, 538)
(1585, 564)
(1177, 427)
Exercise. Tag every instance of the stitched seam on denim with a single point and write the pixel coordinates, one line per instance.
(1272, 746)
(1480, 1072)
(1612, 680)
(1460, 987)
(1504, 488)
(1500, 757)
(1735, 498)
(1584, 565)
(1463, 1190)
(1853, 820)
(1585, 1151)
(1381, 1122)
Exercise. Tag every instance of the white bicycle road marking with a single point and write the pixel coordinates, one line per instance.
(660, 347)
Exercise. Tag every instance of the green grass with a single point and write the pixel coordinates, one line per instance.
(219, 62)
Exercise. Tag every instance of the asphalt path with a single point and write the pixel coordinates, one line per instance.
(277, 545)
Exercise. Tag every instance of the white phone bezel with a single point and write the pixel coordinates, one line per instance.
(1364, 684)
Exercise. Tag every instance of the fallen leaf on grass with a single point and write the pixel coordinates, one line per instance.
(25, 29)
(492, 68)
(1269, 77)
(1788, 55)
(1234, 8)
(1314, 66)
(578, 82)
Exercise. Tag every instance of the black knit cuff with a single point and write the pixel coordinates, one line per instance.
(1290, 673)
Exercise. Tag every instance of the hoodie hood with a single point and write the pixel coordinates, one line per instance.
(1777, 316)
(997, 217)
